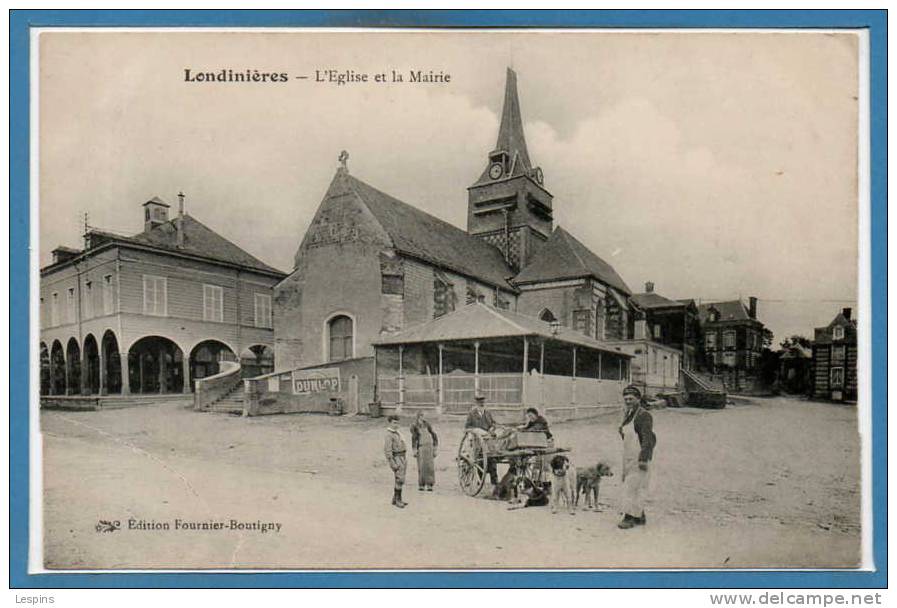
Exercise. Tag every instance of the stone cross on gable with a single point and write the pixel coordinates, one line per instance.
(344, 160)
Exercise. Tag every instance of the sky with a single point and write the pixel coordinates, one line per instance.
(717, 165)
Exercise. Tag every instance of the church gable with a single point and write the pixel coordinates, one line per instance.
(341, 219)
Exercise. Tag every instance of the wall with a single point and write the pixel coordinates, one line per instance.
(650, 370)
(559, 300)
(822, 365)
(582, 304)
(418, 300)
(337, 270)
(93, 269)
(273, 393)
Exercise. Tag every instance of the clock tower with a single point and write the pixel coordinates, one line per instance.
(508, 206)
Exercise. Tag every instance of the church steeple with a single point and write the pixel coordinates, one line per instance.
(510, 133)
(508, 205)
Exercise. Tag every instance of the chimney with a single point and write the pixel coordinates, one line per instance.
(752, 307)
(64, 254)
(649, 287)
(180, 224)
(846, 312)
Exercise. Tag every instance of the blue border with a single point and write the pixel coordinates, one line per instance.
(20, 22)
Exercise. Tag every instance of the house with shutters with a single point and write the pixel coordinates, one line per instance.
(370, 266)
(733, 335)
(835, 359)
(671, 322)
(152, 312)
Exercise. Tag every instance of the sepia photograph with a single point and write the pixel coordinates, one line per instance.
(436, 300)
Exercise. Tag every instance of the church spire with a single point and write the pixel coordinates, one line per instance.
(510, 158)
(510, 134)
(508, 206)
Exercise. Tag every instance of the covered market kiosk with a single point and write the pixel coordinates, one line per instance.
(514, 360)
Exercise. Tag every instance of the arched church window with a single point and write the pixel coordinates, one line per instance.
(340, 333)
(443, 296)
(547, 316)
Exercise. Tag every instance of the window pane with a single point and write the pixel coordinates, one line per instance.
(340, 329)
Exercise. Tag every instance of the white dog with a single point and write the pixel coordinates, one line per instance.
(563, 483)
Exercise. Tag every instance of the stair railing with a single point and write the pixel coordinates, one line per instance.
(214, 388)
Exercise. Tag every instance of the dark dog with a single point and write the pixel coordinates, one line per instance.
(528, 494)
(588, 481)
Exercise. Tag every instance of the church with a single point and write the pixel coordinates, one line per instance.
(372, 268)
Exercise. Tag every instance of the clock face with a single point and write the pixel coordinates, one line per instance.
(495, 171)
(539, 176)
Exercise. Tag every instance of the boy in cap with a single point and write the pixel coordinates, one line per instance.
(394, 450)
(637, 432)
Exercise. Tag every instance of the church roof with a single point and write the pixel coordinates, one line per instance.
(564, 257)
(420, 235)
(510, 133)
(478, 321)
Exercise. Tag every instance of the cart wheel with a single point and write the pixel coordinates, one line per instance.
(471, 464)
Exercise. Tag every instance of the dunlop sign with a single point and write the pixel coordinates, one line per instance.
(312, 381)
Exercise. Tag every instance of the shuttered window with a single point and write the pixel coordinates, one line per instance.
(728, 339)
(88, 299)
(263, 310)
(155, 296)
(212, 303)
(70, 305)
(107, 295)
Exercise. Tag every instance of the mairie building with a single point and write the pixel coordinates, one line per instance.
(153, 312)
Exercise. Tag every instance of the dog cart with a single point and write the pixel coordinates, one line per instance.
(525, 452)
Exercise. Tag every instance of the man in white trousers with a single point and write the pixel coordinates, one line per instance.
(637, 432)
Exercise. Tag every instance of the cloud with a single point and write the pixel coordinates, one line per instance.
(713, 166)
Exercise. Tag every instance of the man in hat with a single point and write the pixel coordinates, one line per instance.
(394, 449)
(480, 421)
(637, 432)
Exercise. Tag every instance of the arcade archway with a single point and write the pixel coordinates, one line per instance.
(257, 360)
(45, 382)
(205, 358)
(57, 369)
(155, 365)
(91, 366)
(112, 361)
(73, 367)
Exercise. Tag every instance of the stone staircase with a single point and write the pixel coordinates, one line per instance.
(701, 390)
(230, 403)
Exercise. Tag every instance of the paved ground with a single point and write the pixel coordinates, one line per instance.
(769, 483)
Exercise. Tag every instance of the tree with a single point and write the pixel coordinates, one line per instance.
(767, 337)
(795, 340)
